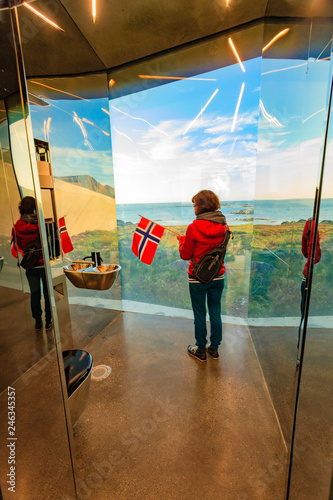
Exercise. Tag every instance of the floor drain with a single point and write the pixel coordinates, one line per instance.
(100, 372)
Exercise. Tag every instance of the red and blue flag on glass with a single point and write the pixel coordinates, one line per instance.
(146, 239)
(65, 240)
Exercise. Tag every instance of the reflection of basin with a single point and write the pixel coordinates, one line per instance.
(1, 263)
(81, 264)
(101, 279)
(78, 367)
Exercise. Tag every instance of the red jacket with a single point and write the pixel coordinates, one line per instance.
(307, 242)
(200, 238)
(24, 233)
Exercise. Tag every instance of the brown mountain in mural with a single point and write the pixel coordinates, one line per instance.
(84, 209)
(89, 182)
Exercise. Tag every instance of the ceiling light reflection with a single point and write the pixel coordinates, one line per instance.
(314, 114)
(136, 118)
(236, 54)
(200, 113)
(58, 90)
(267, 116)
(279, 35)
(83, 130)
(42, 16)
(177, 78)
(47, 124)
(122, 133)
(94, 10)
(96, 126)
(328, 43)
(237, 107)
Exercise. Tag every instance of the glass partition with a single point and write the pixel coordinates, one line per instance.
(312, 441)
(35, 433)
(295, 77)
(181, 123)
(71, 116)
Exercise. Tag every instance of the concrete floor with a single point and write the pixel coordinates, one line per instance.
(165, 426)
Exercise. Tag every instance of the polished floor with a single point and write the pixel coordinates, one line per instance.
(165, 426)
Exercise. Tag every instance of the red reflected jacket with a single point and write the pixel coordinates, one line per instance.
(200, 238)
(24, 233)
(307, 242)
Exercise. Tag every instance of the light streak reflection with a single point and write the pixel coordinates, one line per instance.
(83, 130)
(236, 54)
(237, 107)
(136, 118)
(39, 14)
(267, 116)
(177, 78)
(122, 133)
(279, 35)
(96, 126)
(94, 10)
(200, 113)
(58, 90)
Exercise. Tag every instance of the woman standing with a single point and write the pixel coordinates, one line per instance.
(25, 232)
(205, 233)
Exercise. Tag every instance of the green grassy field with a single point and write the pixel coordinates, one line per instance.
(264, 267)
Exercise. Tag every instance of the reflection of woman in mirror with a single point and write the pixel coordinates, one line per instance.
(205, 233)
(25, 232)
(307, 243)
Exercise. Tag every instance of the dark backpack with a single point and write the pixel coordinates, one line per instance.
(209, 266)
(31, 255)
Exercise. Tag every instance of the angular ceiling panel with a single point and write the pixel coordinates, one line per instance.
(131, 29)
(48, 51)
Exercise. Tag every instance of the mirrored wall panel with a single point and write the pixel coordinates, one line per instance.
(34, 428)
(312, 446)
(70, 116)
(293, 111)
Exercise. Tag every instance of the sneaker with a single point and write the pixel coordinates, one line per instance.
(48, 325)
(194, 351)
(38, 325)
(213, 352)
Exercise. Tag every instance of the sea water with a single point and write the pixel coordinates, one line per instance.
(236, 212)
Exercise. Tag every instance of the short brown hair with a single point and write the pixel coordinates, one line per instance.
(206, 200)
(27, 205)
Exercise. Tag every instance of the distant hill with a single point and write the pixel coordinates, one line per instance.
(89, 182)
(84, 209)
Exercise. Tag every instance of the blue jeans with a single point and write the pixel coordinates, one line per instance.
(199, 292)
(34, 276)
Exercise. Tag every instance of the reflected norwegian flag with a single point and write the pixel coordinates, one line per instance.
(146, 239)
(66, 244)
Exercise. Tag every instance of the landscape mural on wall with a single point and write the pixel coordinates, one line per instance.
(225, 131)
(169, 143)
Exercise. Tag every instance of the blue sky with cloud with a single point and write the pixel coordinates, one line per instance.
(247, 134)
(162, 154)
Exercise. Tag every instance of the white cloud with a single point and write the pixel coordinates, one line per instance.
(291, 172)
(75, 161)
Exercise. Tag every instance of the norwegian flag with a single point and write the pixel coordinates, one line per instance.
(146, 239)
(66, 243)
